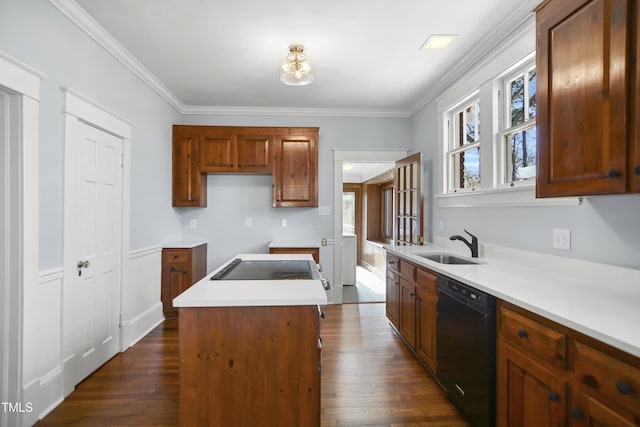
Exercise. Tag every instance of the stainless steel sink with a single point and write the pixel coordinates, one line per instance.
(447, 259)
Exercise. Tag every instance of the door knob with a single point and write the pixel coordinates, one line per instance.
(83, 264)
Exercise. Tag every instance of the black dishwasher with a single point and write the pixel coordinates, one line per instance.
(466, 349)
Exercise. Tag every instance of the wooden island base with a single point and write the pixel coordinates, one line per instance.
(249, 366)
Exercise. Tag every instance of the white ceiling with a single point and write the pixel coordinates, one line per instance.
(360, 172)
(365, 53)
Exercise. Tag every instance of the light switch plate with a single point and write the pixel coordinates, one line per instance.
(562, 239)
(193, 223)
(248, 222)
(324, 210)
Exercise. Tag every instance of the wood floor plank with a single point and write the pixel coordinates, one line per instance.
(369, 378)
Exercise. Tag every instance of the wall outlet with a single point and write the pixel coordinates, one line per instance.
(323, 241)
(248, 222)
(562, 239)
(193, 223)
(285, 223)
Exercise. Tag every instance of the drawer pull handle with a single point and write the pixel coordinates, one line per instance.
(553, 396)
(636, 170)
(590, 381)
(577, 413)
(613, 173)
(522, 333)
(623, 388)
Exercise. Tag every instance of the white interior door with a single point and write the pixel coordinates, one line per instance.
(93, 242)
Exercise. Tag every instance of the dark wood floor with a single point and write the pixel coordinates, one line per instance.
(369, 378)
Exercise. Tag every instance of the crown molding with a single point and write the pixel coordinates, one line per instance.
(488, 47)
(300, 112)
(82, 19)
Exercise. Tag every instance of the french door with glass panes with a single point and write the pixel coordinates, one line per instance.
(409, 201)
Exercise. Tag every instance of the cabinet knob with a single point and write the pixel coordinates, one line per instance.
(590, 381)
(322, 315)
(553, 396)
(577, 413)
(522, 333)
(623, 388)
(636, 170)
(613, 173)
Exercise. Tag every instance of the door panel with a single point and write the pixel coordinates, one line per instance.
(409, 201)
(93, 228)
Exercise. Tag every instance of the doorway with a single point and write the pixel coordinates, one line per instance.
(342, 160)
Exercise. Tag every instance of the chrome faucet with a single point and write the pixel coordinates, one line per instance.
(473, 245)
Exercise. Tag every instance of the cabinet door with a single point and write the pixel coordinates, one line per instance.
(176, 278)
(188, 187)
(254, 153)
(393, 298)
(408, 311)
(635, 122)
(582, 97)
(296, 175)
(427, 329)
(218, 152)
(528, 393)
(587, 411)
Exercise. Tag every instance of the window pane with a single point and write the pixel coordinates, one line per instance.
(348, 213)
(516, 105)
(532, 94)
(522, 155)
(467, 172)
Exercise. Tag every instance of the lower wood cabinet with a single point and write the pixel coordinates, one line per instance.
(393, 298)
(249, 366)
(548, 374)
(412, 308)
(407, 326)
(315, 252)
(181, 268)
(529, 394)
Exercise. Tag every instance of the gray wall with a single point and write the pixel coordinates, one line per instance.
(603, 228)
(232, 198)
(36, 33)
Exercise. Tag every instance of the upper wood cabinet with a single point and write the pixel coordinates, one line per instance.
(290, 154)
(217, 151)
(295, 177)
(586, 132)
(189, 188)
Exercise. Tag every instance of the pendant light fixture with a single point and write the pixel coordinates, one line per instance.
(296, 69)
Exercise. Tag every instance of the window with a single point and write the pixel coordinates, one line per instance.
(518, 135)
(348, 212)
(463, 154)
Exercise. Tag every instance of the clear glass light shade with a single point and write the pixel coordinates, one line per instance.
(296, 69)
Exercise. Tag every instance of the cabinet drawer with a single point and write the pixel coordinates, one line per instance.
(607, 376)
(427, 282)
(534, 337)
(175, 256)
(407, 270)
(393, 263)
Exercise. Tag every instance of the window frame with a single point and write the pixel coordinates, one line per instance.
(451, 150)
(503, 163)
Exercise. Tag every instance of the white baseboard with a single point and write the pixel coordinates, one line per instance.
(135, 329)
(43, 394)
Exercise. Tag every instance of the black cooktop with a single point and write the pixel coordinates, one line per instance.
(239, 269)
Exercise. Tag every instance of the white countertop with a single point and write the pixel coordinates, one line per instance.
(295, 244)
(242, 293)
(183, 244)
(599, 300)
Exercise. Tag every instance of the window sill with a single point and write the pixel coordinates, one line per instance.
(523, 195)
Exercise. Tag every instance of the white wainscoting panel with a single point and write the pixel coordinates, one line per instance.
(42, 368)
(141, 305)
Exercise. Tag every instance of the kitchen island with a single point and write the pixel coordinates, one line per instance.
(250, 350)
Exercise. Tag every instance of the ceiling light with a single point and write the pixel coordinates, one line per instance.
(296, 69)
(438, 41)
